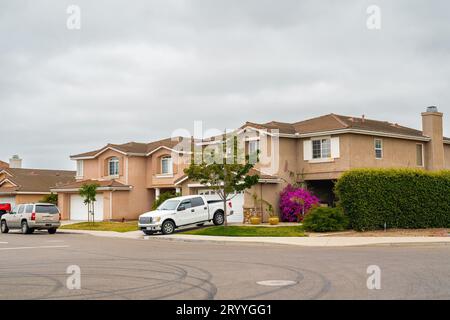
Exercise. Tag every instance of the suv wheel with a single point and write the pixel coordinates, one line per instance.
(52, 230)
(218, 219)
(4, 227)
(168, 227)
(25, 228)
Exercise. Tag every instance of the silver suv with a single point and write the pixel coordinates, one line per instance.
(32, 216)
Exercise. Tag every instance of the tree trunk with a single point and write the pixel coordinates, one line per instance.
(225, 220)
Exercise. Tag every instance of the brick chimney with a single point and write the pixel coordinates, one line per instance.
(15, 162)
(432, 126)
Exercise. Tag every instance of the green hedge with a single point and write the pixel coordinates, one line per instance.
(324, 219)
(401, 198)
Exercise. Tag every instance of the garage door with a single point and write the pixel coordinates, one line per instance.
(10, 200)
(78, 210)
(237, 203)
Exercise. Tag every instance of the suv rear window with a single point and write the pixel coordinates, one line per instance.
(47, 209)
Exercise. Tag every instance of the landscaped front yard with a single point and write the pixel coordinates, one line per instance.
(103, 226)
(244, 231)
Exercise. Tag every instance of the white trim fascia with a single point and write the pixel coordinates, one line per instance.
(275, 180)
(265, 131)
(9, 174)
(167, 148)
(182, 180)
(102, 151)
(25, 192)
(365, 132)
(98, 189)
(7, 180)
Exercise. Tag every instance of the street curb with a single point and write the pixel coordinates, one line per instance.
(272, 241)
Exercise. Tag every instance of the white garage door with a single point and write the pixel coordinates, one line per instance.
(10, 200)
(237, 203)
(79, 211)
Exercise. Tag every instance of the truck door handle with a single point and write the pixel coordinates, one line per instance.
(205, 208)
(192, 210)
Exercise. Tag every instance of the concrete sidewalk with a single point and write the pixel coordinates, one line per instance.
(297, 241)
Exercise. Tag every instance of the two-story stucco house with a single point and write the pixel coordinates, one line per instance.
(316, 151)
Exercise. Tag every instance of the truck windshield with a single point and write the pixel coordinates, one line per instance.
(169, 205)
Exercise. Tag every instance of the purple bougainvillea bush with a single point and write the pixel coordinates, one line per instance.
(294, 202)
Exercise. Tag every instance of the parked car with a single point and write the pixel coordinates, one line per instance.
(32, 216)
(182, 211)
(4, 208)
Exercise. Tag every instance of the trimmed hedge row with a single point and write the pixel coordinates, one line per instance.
(401, 198)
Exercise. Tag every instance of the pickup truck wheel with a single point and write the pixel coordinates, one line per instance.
(25, 229)
(218, 219)
(168, 227)
(4, 227)
(52, 230)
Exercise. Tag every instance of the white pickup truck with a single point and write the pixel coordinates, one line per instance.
(182, 211)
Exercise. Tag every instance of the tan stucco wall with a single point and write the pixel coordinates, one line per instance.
(29, 198)
(154, 169)
(447, 156)
(97, 168)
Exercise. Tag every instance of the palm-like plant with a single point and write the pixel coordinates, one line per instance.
(88, 193)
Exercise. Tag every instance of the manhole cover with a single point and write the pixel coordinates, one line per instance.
(276, 283)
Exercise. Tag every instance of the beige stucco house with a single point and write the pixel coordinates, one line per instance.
(18, 185)
(315, 151)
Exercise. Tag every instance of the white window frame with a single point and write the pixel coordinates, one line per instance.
(423, 156)
(378, 149)
(321, 140)
(116, 162)
(170, 165)
(80, 168)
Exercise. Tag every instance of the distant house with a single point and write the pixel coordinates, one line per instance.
(19, 185)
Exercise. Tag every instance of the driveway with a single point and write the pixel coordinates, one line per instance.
(34, 267)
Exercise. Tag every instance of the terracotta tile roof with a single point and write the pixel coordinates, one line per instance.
(3, 165)
(37, 180)
(261, 175)
(133, 147)
(331, 122)
(101, 183)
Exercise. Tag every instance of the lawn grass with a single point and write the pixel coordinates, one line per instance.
(103, 226)
(242, 231)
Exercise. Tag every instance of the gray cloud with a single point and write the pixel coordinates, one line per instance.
(138, 70)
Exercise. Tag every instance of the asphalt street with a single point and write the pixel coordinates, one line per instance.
(36, 267)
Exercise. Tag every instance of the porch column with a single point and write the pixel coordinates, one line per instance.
(178, 190)
(157, 193)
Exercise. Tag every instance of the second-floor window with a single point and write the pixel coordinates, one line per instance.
(321, 148)
(166, 165)
(79, 168)
(378, 148)
(113, 165)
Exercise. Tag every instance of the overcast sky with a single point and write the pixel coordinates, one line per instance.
(137, 70)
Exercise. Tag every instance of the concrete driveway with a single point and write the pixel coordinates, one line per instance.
(35, 267)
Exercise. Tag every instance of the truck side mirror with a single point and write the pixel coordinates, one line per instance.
(181, 208)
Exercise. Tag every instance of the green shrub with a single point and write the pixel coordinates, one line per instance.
(401, 198)
(323, 219)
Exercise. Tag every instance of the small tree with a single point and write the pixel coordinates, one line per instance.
(222, 175)
(88, 193)
(51, 198)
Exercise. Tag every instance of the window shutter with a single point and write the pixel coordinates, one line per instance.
(307, 150)
(335, 149)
